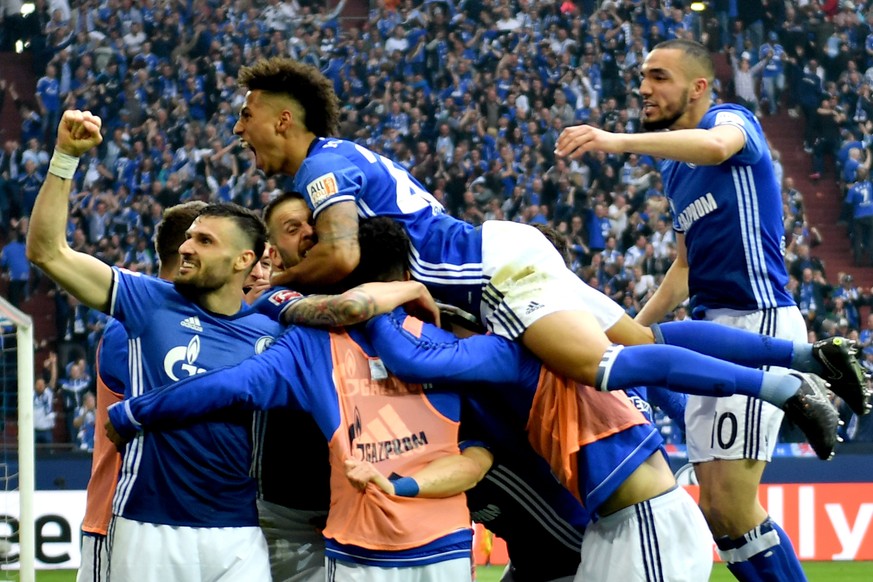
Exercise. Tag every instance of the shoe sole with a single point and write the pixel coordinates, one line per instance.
(856, 395)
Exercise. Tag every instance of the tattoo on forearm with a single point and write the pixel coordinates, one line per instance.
(353, 306)
(343, 226)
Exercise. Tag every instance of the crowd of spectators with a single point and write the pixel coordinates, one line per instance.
(470, 96)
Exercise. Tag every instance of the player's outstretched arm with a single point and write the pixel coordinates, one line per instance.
(85, 277)
(704, 147)
(443, 477)
(362, 303)
(419, 352)
(268, 380)
(334, 256)
(354, 306)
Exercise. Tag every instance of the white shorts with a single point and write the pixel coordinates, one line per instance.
(94, 565)
(665, 538)
(295, 542)
(457, 570)
(147, 552)
(528, 280)
(740, 427)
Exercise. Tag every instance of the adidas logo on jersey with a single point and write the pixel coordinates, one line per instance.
(531, 307)
(192, 323)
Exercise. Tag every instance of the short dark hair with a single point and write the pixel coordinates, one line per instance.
(303, 83)
(271, 206)
(170, 232)
(246, 220)
(693, 50)
(385, 251)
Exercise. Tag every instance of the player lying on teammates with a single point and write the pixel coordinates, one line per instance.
(253, 386)
(287, 216)
(534, 524)
(618, 472)
(505, 273)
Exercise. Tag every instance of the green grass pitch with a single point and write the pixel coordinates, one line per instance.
(815, 571)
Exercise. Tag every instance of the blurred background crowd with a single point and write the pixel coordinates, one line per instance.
(470, 96)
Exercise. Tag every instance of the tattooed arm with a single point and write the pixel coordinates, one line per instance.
(361, 303)
(334, 256)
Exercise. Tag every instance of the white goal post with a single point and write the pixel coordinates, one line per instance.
(26, 463)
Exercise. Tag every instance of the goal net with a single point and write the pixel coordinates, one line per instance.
(17, 527)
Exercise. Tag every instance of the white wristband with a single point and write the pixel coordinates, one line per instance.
(63, 165)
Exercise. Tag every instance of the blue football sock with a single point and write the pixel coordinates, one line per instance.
(777, 388)
(764, 554)
(803, 359)
(728, 343)
(686, 371)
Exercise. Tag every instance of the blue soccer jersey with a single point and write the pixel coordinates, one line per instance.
(303, 371)
(603, 462)
(113, 357)
(197, 476)
(519, 499)
(446, 252)
(731, 216)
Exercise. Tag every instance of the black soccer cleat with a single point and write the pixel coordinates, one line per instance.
(811, 410)
(843, 373)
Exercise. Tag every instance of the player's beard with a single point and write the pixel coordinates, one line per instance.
(288, 261)
(667, 121)
(202, 282)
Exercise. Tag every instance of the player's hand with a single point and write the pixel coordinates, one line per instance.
(78, 132)
(411, 295)
(256, 290)
(578, 139)
(361, 473)
(280, 277)
(118, 440)
(424, 307)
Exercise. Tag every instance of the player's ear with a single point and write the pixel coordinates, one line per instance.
(275, 259)
(699, 88)
(245, 261)
(285, 121)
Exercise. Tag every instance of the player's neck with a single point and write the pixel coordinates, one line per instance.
(223, 301)
(691, 118)
(296, 151)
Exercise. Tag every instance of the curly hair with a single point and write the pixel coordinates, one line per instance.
(301, 82)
